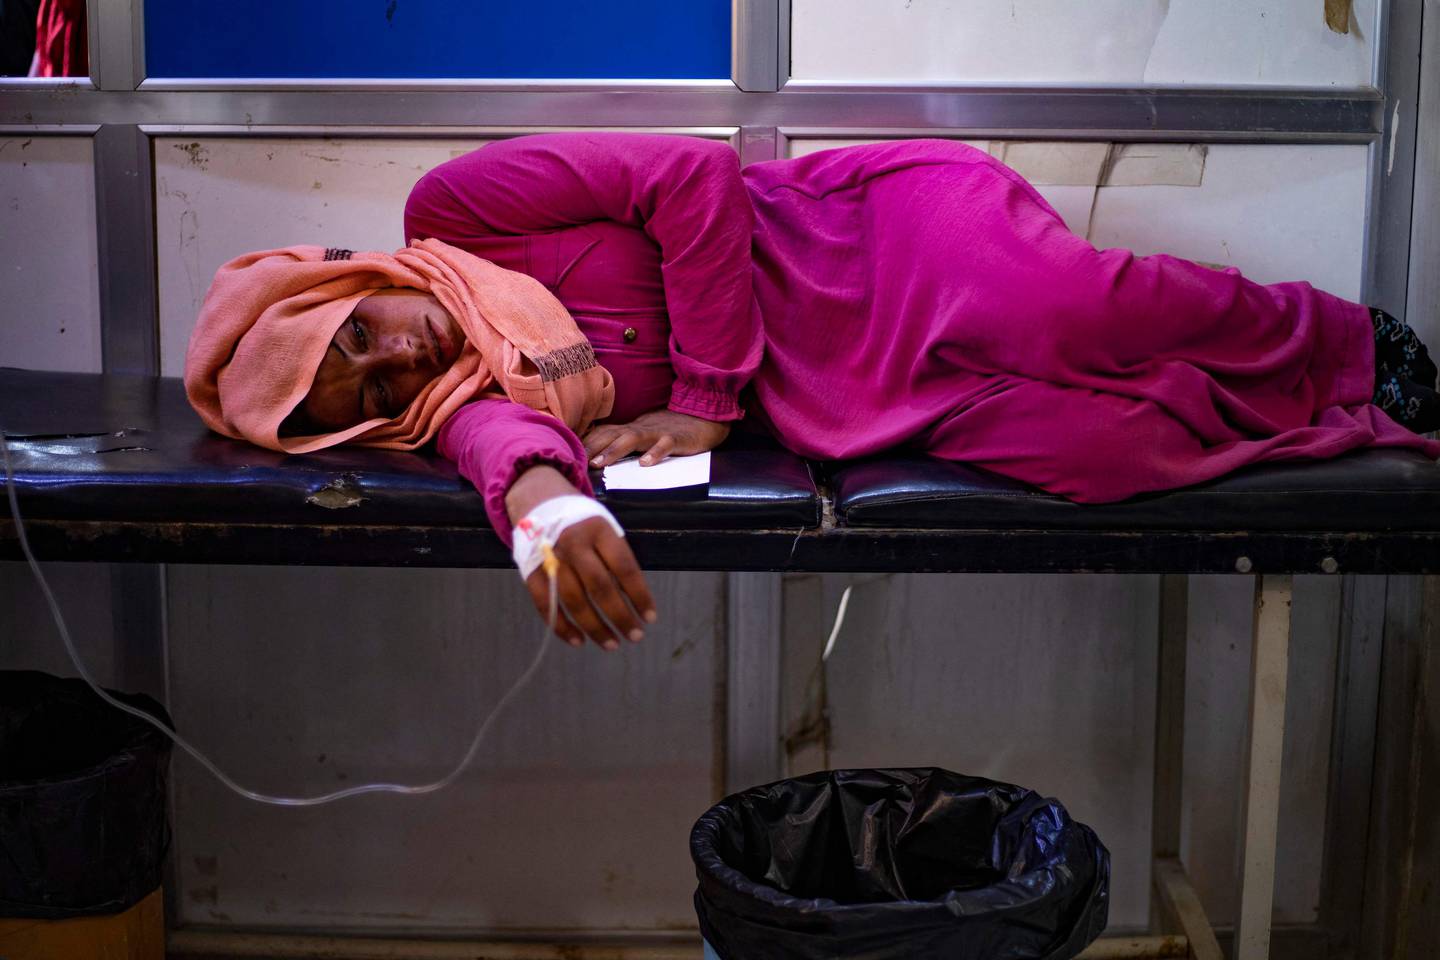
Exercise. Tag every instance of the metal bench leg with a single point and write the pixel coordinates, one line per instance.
(1174, 907)
(1166, 802)
(1260, 801)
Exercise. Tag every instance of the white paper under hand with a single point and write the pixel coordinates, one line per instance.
(673, 472)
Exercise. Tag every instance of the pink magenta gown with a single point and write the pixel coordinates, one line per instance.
(917, 295)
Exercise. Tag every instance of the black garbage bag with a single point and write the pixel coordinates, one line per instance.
(897, 865)
(83, 828)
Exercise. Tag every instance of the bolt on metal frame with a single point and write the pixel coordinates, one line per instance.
(760, 108)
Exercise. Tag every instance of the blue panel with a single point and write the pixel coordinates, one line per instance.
(568, 39)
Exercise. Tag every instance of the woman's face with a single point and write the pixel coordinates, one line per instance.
(393, 344)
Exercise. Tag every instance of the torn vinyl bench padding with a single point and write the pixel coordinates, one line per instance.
(120, 468)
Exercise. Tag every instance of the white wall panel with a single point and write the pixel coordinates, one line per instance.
(29, 639)
(1213, 42)
(49, 281)
(1278, 212)
(1281, 212)
(575, 815)
(217, 198)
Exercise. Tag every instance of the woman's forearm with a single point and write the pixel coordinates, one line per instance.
(493, 442)
(533, 487)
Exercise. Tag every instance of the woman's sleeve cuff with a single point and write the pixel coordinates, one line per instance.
(501, 483)
(705, 403)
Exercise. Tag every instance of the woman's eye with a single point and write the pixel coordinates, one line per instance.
(359, 332)
(382, 398)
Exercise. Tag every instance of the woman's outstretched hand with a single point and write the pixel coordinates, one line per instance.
(599, 579)
(658, 433)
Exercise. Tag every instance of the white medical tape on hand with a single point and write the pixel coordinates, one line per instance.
(546, 522)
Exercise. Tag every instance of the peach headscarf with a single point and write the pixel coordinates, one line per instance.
(269, 317)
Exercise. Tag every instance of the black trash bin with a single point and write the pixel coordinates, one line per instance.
(83, 828)
(897, 865)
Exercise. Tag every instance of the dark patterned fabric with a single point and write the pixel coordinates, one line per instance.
(1399, 352)
(337, 253)
(1405, 376)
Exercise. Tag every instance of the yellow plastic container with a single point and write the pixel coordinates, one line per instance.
(136, 934)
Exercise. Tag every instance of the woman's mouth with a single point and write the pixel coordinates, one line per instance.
(440, 341)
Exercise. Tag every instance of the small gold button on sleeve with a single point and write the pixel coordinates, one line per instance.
(630, 334)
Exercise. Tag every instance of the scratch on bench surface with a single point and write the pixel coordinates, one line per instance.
(339, 493)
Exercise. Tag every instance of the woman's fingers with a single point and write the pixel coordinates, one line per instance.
(659, 451)
(601, 591)
(581, 611)
(618, 557)
(607, 602)
(539, 586)
(592, 596)
(621, 446)
(598, 438)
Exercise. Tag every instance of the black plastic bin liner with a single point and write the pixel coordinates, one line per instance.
(82, 799)
(897, 865)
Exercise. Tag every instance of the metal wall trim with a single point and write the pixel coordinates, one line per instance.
(787, 134)
(758, 144)
(782, 44)
(427, 85)
(403, 133)
(755, 44)
(117, 57)
(1347, 901)
(1423, 300)
(1392, 159)
(1190, 116)
(93, 19)
(40, 85)
(125, 228)
(50, 129)
(1282, 91)
(1352, 758)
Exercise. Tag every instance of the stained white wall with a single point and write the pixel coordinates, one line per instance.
(216, 198)
(50, 320)
(1278, 212)
(29, 639)
(49, 282)
(575, 815)
(1211, 42)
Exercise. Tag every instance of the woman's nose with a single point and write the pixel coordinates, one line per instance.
(403, 351)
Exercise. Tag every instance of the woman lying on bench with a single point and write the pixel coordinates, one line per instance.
(575, 298)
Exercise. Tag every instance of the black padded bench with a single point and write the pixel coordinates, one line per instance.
(120, 468)
(112, 468)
